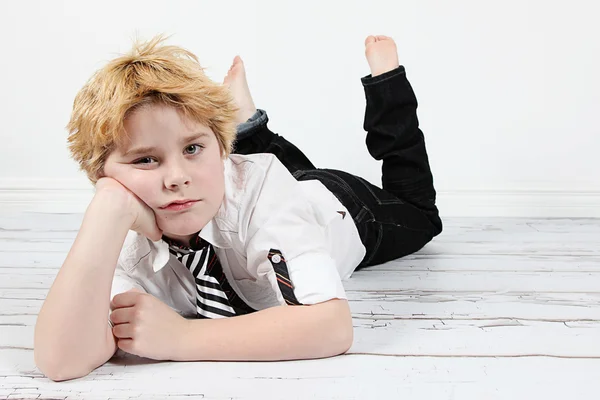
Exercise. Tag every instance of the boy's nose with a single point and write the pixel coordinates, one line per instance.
(177, 177)
(178, 183)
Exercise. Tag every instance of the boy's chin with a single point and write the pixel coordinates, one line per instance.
(184, 228)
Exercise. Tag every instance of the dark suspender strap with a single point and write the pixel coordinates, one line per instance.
(283, 277)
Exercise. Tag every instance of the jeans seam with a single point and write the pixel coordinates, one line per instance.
(372, 80)
(376, 246)
(283, 151)
(380, 202)
(346, 188)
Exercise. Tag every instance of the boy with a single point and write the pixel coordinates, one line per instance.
(182, 234)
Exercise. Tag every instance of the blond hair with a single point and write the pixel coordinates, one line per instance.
(150, 73)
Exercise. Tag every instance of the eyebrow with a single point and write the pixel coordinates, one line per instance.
(150, 149)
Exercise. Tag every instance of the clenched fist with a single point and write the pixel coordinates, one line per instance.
(145, 326)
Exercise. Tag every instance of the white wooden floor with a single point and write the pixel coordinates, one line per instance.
(491, 309)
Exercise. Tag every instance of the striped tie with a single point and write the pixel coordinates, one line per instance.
(214, 298)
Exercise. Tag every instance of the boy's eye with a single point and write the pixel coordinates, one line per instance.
(141, 160)
(192, 147)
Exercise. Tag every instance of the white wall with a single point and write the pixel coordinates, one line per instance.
(508, 91)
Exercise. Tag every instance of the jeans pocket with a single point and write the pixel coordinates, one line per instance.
(341, 189)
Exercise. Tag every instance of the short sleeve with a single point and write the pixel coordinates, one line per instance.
(121, 283)
(312, 277)
(290, 249)
(135, 248)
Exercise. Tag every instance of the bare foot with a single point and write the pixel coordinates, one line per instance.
(237, 84)
(381, 53)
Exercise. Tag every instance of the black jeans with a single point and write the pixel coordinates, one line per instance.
(396, 220)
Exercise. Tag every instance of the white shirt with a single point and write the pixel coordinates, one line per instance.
(264, 208)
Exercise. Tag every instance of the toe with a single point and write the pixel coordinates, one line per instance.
(370, 39)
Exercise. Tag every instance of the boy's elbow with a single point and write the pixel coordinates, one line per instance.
(59, 376)
(59, 368)
(56, 370)
(340, 341)
(345, 339)
(342, 334)
(61, 365)
(50, 360)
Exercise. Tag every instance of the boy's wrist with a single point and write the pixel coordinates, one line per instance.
(112, 205)
(186, 335)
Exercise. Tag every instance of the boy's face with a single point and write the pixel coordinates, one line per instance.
(181, 165)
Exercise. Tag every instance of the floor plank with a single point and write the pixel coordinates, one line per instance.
(493, 308)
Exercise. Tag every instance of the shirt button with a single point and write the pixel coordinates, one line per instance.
(276, 258)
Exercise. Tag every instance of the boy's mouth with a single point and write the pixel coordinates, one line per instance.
(179, 204)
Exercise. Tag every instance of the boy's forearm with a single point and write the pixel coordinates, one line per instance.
(278, 333)
(72, 335)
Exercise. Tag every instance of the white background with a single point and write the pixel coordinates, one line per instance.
(509, 92)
